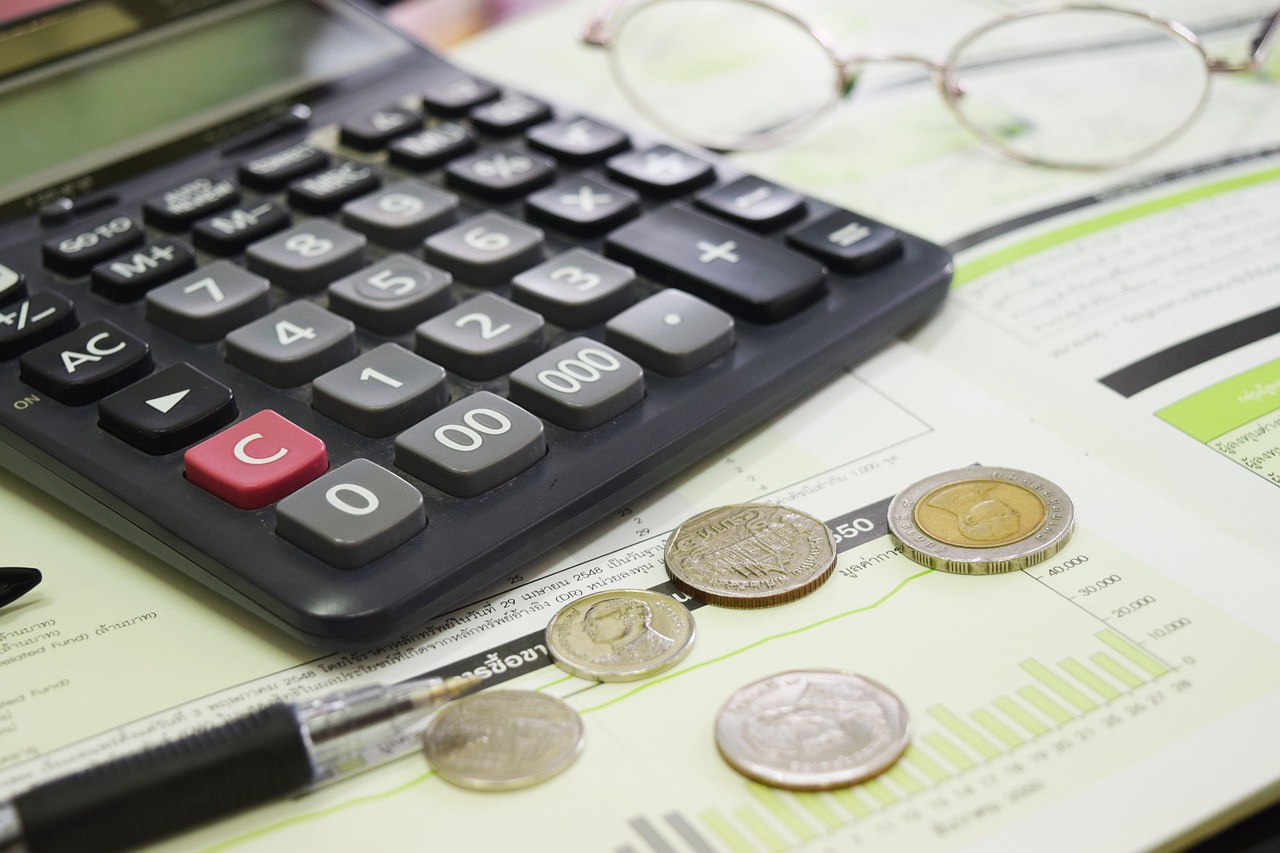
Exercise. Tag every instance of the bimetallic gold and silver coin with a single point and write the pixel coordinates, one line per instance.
(750, 555)
(503, 739)
(981, 520)
(812, 730)
(620, 635)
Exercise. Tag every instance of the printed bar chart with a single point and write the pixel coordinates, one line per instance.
(948, 744)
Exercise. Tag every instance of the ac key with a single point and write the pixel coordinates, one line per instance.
(87, 364)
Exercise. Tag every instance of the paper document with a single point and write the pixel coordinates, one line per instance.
(1115, 332)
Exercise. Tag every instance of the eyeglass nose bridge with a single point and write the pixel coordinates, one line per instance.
(851, 67)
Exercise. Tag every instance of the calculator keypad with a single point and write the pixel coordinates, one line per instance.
(445, 297)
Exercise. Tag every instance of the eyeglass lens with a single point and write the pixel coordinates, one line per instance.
(1077, 86)
(724, 74)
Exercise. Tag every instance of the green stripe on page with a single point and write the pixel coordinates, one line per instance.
(978, 267)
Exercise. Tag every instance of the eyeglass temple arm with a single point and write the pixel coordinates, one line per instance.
(596, 33)
(1267, 40)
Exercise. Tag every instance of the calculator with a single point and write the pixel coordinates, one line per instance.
(349, 334)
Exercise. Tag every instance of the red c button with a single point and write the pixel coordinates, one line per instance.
(257, 461)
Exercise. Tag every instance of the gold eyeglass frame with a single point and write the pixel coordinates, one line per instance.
(608, 21)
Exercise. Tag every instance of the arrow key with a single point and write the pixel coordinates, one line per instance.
(168, 410)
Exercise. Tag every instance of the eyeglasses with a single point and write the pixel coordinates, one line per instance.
(1075, 86)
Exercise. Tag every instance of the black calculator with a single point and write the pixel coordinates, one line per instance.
(349, 334)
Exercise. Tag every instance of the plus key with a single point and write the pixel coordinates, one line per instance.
(727, 266)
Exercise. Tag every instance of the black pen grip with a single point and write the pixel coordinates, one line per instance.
(144, 797)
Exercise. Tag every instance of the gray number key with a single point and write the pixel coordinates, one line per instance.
(671, 332)
(576, 289)
(381, 391)
(393, 295)
(482, 338)
(401, 215)
(308, 256)
(351, 515)
(579, 384)
(206, 304)
(474, 445)
(486, 250)
(293, 344)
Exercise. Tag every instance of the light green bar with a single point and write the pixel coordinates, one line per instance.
(931, 768)
(900, 775)
(818, 806)
(764, 833)
(948, 750)
(1050, 708)
(964, 731)
(979, 267)
(726, 832)
(1021, 716)
(1088, 678)
(1132, 653)
(1058, 685)
(1229, 404)
(770, 799)
(1006, 735)
(1116, 670)
(876, 788)
(849, 798)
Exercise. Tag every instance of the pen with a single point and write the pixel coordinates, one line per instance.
(15, 582)
(280, 750)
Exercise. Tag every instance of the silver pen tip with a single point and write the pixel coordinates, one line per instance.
(436, 692)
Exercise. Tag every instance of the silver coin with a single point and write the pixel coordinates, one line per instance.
(620, 635)
(812, 730)
(981, 520)
(750, 555)
(503, 739)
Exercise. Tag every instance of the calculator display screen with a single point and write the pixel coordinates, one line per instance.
(153, 84)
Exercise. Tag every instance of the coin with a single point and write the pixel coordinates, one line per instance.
(750, 555)
(812, 730)
(503, 739)
(981, 520)
(620, 635)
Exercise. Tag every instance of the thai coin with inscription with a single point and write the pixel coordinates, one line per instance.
(981, 520)
(620, 635)
(812, 730)
(750, 555)
(503, 739)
